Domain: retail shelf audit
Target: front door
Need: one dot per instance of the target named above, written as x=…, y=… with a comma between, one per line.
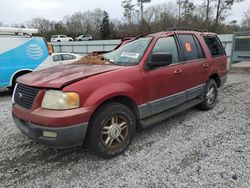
x=165, y=84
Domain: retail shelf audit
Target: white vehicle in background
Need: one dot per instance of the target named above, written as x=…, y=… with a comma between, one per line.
x=83, y=37
x=61, y=38
x=59, y=59
x=20, y=53
x=65, y=58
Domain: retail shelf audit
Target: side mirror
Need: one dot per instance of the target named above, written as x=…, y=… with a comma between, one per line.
x=160, y=59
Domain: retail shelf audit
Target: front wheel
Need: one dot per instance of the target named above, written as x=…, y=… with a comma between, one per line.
x=209, y=95
x=111, y=130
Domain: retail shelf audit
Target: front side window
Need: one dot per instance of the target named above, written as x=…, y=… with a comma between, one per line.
x=189, y=47
x=213, y=46
x=129, y=54
x=57, y=58
x=167, y=45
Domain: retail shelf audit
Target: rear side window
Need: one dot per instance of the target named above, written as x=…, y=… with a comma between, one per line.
x=191, y=47
x=214, y=46
x=68, y=57
x=167, y=45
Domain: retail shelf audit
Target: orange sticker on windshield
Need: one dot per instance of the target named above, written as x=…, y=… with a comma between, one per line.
x=188, y=47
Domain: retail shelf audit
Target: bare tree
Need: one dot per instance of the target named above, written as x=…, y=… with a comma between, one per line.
x=222, y=6
x=128, y=10
x=208, y=11
x=141, y=5
x=246, y=20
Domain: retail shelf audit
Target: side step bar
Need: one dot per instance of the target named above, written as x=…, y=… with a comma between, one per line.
x=149, y=121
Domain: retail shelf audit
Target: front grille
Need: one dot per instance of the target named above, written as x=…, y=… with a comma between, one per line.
x=25, y=95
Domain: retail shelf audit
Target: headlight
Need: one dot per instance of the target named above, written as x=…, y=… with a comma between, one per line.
x=58, y=100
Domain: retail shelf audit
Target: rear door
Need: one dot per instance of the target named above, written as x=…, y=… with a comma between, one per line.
x=194, y=67
x=218, y=62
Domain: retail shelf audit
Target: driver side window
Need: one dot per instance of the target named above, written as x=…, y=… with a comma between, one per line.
x=167, y=45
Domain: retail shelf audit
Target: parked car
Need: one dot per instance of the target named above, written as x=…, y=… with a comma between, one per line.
x=58, y=59
x=65, y=58
x=20, y=54
x=147, y=80
x=61, y=38
x=83, y=37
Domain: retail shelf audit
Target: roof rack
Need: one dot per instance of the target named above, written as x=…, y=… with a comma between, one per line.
x=12, y=30
x=185, y=29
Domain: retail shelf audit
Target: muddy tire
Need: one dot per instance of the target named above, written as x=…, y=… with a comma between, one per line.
x=111, y=130
x=209, y=95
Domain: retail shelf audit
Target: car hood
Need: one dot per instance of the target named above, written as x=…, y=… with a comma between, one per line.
x=62, y=75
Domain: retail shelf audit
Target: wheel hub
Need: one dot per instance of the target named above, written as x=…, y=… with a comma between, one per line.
x=211, y=95
x=115, y=131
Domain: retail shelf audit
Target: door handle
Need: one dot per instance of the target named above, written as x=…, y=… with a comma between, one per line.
x=178, y=71
x=205, y=65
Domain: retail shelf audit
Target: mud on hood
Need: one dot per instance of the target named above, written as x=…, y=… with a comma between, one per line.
x=62, y=75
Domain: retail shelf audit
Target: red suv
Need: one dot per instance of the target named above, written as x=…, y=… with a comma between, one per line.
x=143, y=82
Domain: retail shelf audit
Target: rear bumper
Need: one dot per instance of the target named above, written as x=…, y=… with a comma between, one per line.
x=66, y=137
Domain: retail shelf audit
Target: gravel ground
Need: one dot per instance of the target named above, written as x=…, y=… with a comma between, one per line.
x=193, y=149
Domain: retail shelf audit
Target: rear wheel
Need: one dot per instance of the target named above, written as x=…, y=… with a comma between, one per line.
x=209, y=95
x=111, y=130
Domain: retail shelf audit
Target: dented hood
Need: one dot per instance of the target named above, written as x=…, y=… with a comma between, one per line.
x=62, y=75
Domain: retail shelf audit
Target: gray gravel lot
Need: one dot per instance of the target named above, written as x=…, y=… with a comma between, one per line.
x=193, y=149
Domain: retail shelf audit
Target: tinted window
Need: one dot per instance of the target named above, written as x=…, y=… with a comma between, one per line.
x=214, y=46
x=198, y=45
x=189, y=47
x=68, y=57
x=57, y=58
x=167, y=45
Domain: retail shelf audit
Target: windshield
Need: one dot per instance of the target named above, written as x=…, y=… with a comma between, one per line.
x=129, y=54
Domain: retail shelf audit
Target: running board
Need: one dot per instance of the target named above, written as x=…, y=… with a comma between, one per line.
x=149, y=121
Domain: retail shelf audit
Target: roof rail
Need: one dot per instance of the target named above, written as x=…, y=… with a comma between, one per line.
x=185, y=29
x=12, y=30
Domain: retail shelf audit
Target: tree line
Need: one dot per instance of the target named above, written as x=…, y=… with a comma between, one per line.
x=208, y=15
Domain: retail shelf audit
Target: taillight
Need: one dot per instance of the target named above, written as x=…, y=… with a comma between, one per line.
x=50, y=48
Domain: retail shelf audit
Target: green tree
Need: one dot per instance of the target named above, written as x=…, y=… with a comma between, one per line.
x=105, y=27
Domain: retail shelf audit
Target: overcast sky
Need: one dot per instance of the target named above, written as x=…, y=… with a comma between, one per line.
x=20, y=11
